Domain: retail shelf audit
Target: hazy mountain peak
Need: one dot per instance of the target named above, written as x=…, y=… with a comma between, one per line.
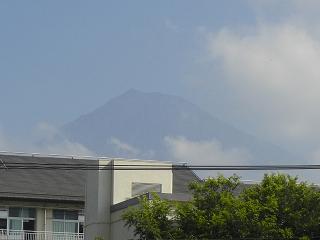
x=131, y=92
x=137, y=124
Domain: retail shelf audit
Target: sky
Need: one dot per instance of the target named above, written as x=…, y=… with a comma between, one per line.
x=62, y=59
x=254, y=64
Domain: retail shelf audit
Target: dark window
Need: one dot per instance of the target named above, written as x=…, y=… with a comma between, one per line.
x=3, y=223
x=71, y=215
x=80, y=227
x=22, y=212
x=64, y=214
x=67, y=221
x=28, y=225
x=15, y=212
x=58, y=214
x=28, y=212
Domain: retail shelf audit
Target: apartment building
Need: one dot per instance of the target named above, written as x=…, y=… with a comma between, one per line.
x=69, y=204
x=41, y=204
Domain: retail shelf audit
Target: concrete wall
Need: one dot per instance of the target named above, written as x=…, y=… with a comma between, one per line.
x=118, y=229
x=98, y=202
x=49, y=218
x=123, y=179
x=40, y=223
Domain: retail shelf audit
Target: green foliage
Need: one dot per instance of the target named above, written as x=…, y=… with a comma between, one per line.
x=281, y=207
x=151, y=219
x=213, y=211
x=278, y=208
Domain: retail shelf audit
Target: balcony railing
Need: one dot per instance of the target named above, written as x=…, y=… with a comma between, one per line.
x=39, y=235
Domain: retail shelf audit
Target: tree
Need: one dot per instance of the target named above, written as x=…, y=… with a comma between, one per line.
x=151, y=219
x=278, y=208
x=281, y=207
x=213, y=212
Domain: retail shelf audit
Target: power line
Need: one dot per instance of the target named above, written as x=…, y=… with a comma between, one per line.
x=128, y=167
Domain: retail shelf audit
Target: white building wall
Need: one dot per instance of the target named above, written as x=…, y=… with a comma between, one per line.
x=123, y=179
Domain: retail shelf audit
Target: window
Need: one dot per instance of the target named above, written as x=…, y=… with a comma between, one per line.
x=22, y=212
x=141, y=188
x=67, y=221
x=3, y=219
x=22, y=219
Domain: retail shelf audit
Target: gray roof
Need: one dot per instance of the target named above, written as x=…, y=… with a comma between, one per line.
x=54, y=185
x=180, y=197
x=182, y=179
x=59, y=185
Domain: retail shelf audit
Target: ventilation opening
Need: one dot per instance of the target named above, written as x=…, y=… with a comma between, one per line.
x=141, y=188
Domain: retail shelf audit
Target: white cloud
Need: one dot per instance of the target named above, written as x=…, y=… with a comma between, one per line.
x=64, y=147
x=275, y=71
x=213, y=153
x=123, y=147
x=264, y=77
x=45, y=139
x=205, y=153
x=48, y=139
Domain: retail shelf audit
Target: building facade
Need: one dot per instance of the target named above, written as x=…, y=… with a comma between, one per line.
x=76, y=204
x=41, y=204
x=110, y=193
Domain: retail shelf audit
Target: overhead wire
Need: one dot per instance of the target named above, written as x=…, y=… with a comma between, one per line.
x=128, y=167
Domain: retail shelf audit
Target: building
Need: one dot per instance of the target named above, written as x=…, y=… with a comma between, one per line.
x=65, y=204
x=41, y=204
x=109, y=193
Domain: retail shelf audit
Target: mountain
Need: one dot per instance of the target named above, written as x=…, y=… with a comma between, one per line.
x=136, y=124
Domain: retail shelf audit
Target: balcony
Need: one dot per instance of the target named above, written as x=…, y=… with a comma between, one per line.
x=39, y=235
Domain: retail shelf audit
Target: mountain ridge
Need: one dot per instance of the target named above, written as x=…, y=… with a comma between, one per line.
x=135, y=124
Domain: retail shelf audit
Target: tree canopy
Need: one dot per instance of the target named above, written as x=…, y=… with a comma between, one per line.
x=280, y=207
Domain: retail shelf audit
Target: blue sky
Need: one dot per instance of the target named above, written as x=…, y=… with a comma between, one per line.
x=253, y=64
x=60, y=59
